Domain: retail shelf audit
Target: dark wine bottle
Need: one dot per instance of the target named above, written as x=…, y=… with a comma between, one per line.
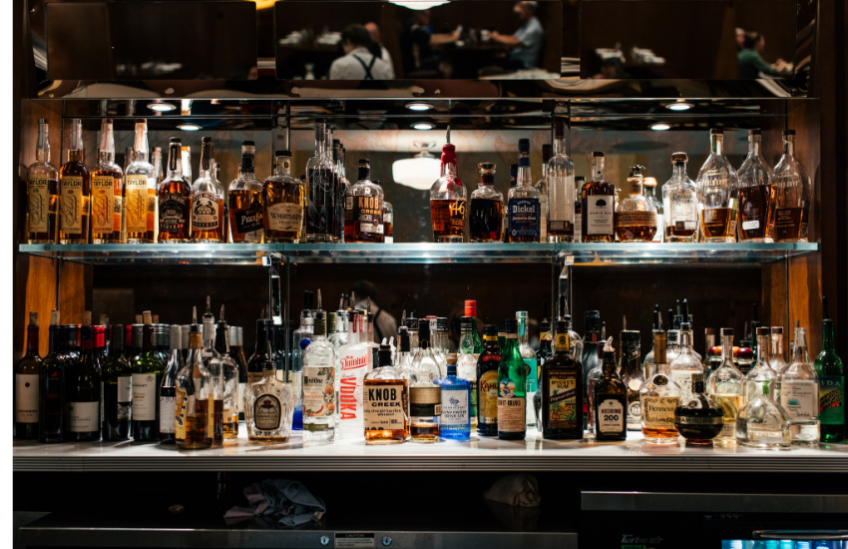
x=147, y=374
x=610, y=402
x=26, y=385
x=83, y=387
x=117, y=389
x=51, y=385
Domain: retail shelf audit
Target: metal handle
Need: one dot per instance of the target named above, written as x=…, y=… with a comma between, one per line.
x=801, y=534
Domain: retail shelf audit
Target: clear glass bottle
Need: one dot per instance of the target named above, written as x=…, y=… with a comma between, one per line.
x=386, y=402
x=798, y=394
x=560, y=189
x=726, y=384
x=168, y=387
x=319, y=380
x=207, y=201
x=319, y=173
x=215, y=365
x=231, y=379
x=107, y=186
x=763, y=423
x=355, y=363
x=523, y=205
x=42, y=192
x=591, y=357
x=194, y=398
x=455, y=421
x=269, y=406
x=529, y=357
x=699, y=418
x=244, y=199
x=174, y=197
x=718, y=193
x=466, y=363
x=592, y=378
x=363, y=211
x=448, y=201
x=74, y=191
x=598, y=205
x=687, y=364
x=650, y=185
x=680, y=203
x=761, y=372
x=793, y=195
x=756, y=193
x=425, y=394
x=635, y=218
x=140, y=194
x=659, y=397
x=485, y=218
x=776, y=360
x=632, y=376
x=542, y=186
x=283, y=203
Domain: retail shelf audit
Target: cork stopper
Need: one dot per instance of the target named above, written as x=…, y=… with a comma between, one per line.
x=86, y=318
x=54, y=318
x=155, y=319
x=104, y=320
x=139, y=319
x=33, y=319
x=148, y=318
x=660, y=342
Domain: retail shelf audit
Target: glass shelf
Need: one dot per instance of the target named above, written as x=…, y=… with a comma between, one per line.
x=421, y=253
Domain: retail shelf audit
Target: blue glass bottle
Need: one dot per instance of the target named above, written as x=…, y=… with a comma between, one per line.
x=456, y=405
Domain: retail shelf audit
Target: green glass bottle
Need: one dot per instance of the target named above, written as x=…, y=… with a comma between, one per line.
x=831, y=384
x=117, y=389
x=512, y=387
x=471, y=310
x=147, y=374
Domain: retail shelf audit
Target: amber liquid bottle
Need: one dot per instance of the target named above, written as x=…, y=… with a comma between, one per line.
x=140, y=177
x=107, y=190
x=283, y=203
x=75, y=191
x=244, y=199
x=562, y=391
x=448, y=201
x=598, y=205
x=207, y=201
x=42, y=192
x=174, y=199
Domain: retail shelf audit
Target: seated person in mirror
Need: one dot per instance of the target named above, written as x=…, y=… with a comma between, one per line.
x=751, y=63
x=362, y=59
x=417, y=43
x=525, y=43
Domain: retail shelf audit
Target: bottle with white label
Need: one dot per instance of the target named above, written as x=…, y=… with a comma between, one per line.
x=84, y=389
x=798, y=394
x=686, y=364
x=26, y=385
x=610, y=402
x=598, y=205
x=147, y=374
x=756, y=193
x=207, y=201
x=168, y=388
x=680, y=203
x=43, y=192
x=425, y=394
x=319, y=379
x=117, y=389
x=455, y=423
x=386, y=401
x=524, y=209
x=193, y=428
x=354, y=363
x=659, y=397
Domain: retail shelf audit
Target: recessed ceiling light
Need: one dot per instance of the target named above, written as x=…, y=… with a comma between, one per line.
x=679, y=106
x=189, y=127
x=660, y=127
x=423, y=126
x=419, y=106
x=158, y=106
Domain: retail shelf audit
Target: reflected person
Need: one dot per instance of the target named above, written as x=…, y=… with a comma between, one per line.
x=374, y=30
x=526, y=42
x=385, y=325
x=751, y=63
x=417, y=41
x=362, y=58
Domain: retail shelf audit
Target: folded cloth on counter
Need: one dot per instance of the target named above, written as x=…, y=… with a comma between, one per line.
x=288, y=498
x=516, y=490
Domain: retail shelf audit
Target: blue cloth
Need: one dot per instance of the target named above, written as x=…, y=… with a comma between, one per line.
x=531, y=34
x=288, y=498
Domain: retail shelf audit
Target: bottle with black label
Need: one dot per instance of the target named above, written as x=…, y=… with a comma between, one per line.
x=147, y=373
x=610, y=400
x=244, y=198
x=487, y=383
x=363, y=221
x=562, y=391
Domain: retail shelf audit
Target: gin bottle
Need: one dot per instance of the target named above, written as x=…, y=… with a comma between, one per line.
x=763, y=424
x=726, y=385
x=659, y=397
x=761, y=372
x=42, y=192
x=560, y=188
x=718, y=193
x=680, y=203
x=319, y=372
x=798, y=394
x=386, y=402
x=792, y=195
x=455, y=422
x=831, y=384
x=523, y=207
x=425, y=394
x=756, y=193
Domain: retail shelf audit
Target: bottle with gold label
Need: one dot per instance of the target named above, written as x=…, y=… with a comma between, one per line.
x=562, y=391
x=107, y=189
x=140, y=180
x=207, y=201
x=512, y=387
x=42, y=192
x=635, y=218
x=659, y=398
x=194, y=397
x=283, y=203
x=245, y=202
x=74, y=191
x=269, y=406
x=718, y=193
x=487, y=383
x=385, y=402
x=174, y=199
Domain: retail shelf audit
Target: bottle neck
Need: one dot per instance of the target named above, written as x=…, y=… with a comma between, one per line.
x=42, y=145
x=319, y=140
x=777, y=345
x=140, y=143
x=799, y=353
x=558, y=146
x=32, y=339
x=763, y=349
x=206, y=160
x=789, y=146
x=466, y=342
x=261, y=342
x=727, y=350
x=175, y=162
x=107, y=145
x=598, y=168
x=563, y=344
x=282, y=165
x=679, y=171
x=755, y=145
x=609, y=364
x=449, y=166
x=487, y=180
x=827, y=335
x=716, y=144
x=247, y=164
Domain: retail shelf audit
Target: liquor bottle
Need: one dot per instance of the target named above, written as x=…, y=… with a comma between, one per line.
x=74, y=191
x=140, y=195
x=319, y=173
x=386, y=416
x=659, y=397
x=455, y=421
x=283, y=203
x=699, y=418
x=466, y=364
x=680, y=203
x=761, y=372
x=83, y=388
x=485, y=222
x=717, y=193
x=447, y=201
x=42, y=192
x=792, y=195
x=559, y=174
x=546, y=344
x=531, y=371
x=709, y=343
x=388, y=222
x=230, y=379
x=470, y=310
x=51, y=385
x=632, y=376
x=26, y=385
x=598, y=204
x=335, y=232
x=245, y=200
x=340, y=191
x=174, y=199
x=214, y=173
x=756, y=193
x=363, y=212
x=574, y=339
x=354, y=363
x=686, y=364
x=562, y=392
x=776, y=360
x=185, y=155
x=523, y=206
x=146, y=377
x=117, y=390
x=215, y=366
x=635, y=218
x=236, y=339
x=542, y=186
x=763, y=424
x=207, y=201
x=156, y=160
x=168, y=387
x=512, y=387
x=256, y=364
x=650, y=185
x=488, y=364
x=194, y=397
x=437, y=345
x=726, y=384
x=831, y=384
x=425, y=394
x=591, y=358
x=107, y=188
x=610, y=402
x=579, y=182
x=319, y=381
x=798, y=394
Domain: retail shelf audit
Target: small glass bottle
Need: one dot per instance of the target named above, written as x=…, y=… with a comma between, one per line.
x=42, y=192
x=174, y=197
x=363, y=212
x=283, y=203
x=488, y=364
x=107, y=186
x=632, y=376
x=598, y=205
x=698, y=418
x=140, y=194
x=529, y=357
x=466, y=364
x=726, y=384
x=455, y=421
x=425, y=394
x=798, y=394
x=194, y=398
x=610, y=402
x=485, y=222
x=763, y=424
x=523, y=207
x=718, y=193
x=271, y=404
x=659, y=396
x=680, y=203
x=761, y=372
x=448, y=201
x=560, y=188
x=319, y=381
x=831, y=383
x=244, y=199
x=650, y=186
x=385, y=402
x=686, y=364
x=207, y=201
x=512, y=387
x=635, y=218
x=756, y=193
x=792, y=198
x=74, y=191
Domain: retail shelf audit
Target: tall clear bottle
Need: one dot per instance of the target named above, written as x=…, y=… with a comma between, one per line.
x=523, y=206
x=231, y=379
x=793, y=195
x=756, y=193
x=466, y=363
x=140, y=195
x=762, y=371
x=560, y=182
x=354, y=363
x=532, y=370
x=718, y=193
x=207, y=201
x=680, y=203
x=319, y=174
x=168, y=388
x=174, y=199
x=74, y=191
x=244, y=199
x=687, y=363
x=776, y=360
x=215, y=365
x=632, y=376
x=798, y=386
x=448, y=201
x=425, y=394
x=363, y=210
x=542, y=186
x=319, y=373
x=659, y=397
x=107, y=186
x=726, y=385
x=42, y=192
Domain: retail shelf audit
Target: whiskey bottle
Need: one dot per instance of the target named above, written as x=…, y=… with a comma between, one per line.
x=455, y=421
x=659, y=398
x=761, y=372
x=725, y=384
x=215, y=366
x=792, y=195
x=523, y=207
x=174, y=199
x=363, y=211
x=635, y=218
x=798, y=394
x=632, y=376
x=680, y=203
x=193, y=397
x=485, y=222
x=763, y=424
x=245, y=200
x=388, y=222
x=319, y=174
x=42, y=192
x=488, y=364
x=117, y=389
x=717, y=193
x=146, y=377
x=26, y=385
x=207, y=201
x=542, y=186
x=756, y=193
x=425, y=394
x=512, y=388
x=466, y=363
x=319, y=381
x=74, y=192
x=283, y=203
x=230, y=381
x=610, y=402
x=579, y=181
x=84, y=386
x=448, y=201
x=51, y=385
x=385, y=402
x=156, y=160
x=562, y=391
x=143, y=176
x=168, y=387
x=560, y=178
x=831, y=384
x=106, y=191
x=598, y=204
x=698, y=418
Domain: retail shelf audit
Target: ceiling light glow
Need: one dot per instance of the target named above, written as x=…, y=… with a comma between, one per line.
x=679, y=106
x=660, y=127
x=189, y=127
x=419, y=106
x=423, y=126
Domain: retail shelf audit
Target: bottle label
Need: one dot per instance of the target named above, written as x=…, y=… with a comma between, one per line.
x=487, y=398
x=578, y=227
x=751, y=225
x=728, y=430
x=249, y=223
x=319, y=391
x=798, y=398
x=788, y=223
x=684, y=210
x=531, y=373
x=832, y=400
x=719, y=222
x=210, y=416
x=658, y=412
x=180, y=413
x=636, y=219
x=152, y=210
x=267, y=413
x=26, y=398
x=455, y=408
x=688, y=420
x=352, y=367
x=84, y=417
x=125, y=398
x=144, y=396
x=512, y=414
x=204, y=212
x=768, y=436
x=368, y=213
x=561, y=202
x=167, y=409
x=611, y=417
x=136, y=203
x=285, y=216
x=634, y=415
x=524, y=217
x=72, y=206
x=384, y=407
x=599, y=213
x=102, y=203
x=38, y=203
x=684, y=379
x=173, y=213
x=562, y=399
x=425, y=401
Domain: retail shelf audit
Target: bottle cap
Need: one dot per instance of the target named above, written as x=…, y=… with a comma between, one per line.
x=486, y=168
x=465, y=324
x=442, y=324
x=755, y=131
x=597, y=154
x=286, y=154
x=709, y=331
x=523, y=145
x=490, y=330
x=777, y=330
x=679, y=157
x=787, y=133
x=630, y=337
x=763, y=331
x=717, y=131
x=471, y=307
x=726, y=332
x=592, y=321
x=510, y=326
x=384, y=356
